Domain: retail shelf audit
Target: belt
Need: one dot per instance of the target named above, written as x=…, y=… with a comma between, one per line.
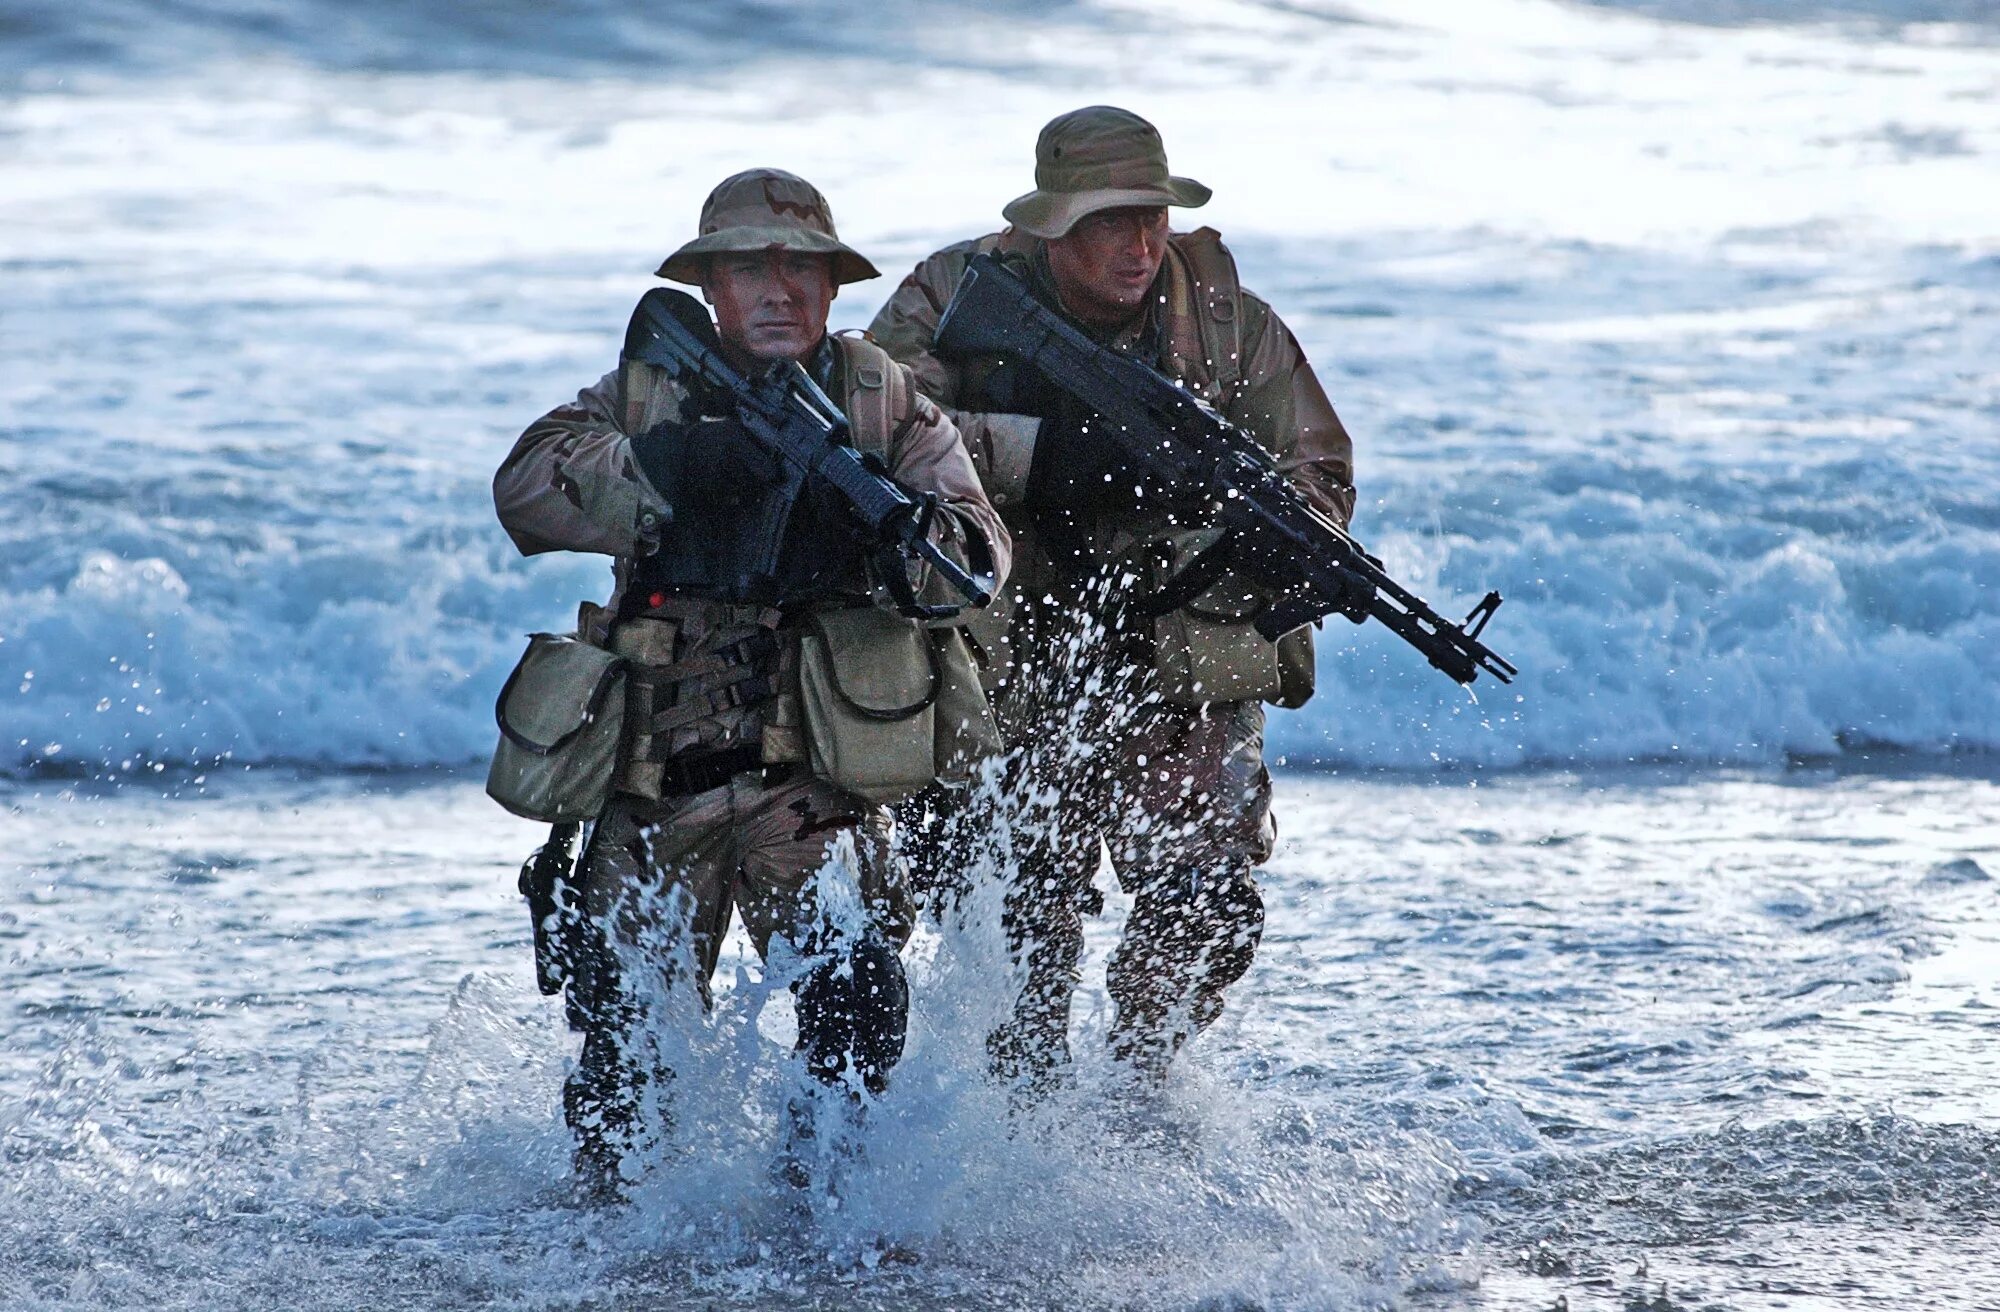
x=697, y=772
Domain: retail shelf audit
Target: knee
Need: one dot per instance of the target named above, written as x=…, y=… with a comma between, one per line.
x=1046, y=917
x=854, y=1011
x=1207, y=906
x=1239, y=926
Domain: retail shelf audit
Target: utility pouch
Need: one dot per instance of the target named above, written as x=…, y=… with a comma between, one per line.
x=1208, y=650
x=561, y=715
x=966, y=731
x=869, y=686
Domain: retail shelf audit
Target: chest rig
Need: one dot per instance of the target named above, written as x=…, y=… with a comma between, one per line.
x=767, y=536
x=713, y=669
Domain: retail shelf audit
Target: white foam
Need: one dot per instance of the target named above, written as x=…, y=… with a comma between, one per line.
x=1679, y=336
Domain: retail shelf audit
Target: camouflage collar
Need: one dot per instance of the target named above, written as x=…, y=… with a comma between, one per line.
x=824, y=365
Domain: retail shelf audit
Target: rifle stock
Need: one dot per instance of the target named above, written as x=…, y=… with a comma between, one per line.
x=1313, y=567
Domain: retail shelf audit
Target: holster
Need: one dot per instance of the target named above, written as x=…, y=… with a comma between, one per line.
x=545, y=877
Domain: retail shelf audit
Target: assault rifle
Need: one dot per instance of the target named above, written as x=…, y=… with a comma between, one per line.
x=786, y=413
x=1166, y=437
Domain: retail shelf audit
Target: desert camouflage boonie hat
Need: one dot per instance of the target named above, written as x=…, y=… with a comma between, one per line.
x=1097, y=158
x=765, y=210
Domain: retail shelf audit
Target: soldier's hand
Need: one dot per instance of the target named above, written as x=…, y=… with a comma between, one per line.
x=1076, y=467
x=709, y=460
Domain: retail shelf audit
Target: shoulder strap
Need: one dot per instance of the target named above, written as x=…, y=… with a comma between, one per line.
x=646, y=395
x=1205, y=329
x=878, y=400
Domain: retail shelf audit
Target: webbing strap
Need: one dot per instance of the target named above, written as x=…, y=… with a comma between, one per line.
x=750, y=651
x=1205, y=335
x=744, y=688
x=878, y=398
x=674, y=606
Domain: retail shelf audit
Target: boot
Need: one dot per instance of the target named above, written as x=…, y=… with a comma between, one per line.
x=603, y=1102
x=854, y=1013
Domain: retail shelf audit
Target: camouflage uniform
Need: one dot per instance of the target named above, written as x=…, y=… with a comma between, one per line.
x=1178, y=792
x=715, y=807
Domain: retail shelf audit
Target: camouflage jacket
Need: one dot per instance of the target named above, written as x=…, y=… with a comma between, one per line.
x=571, y=483
x=1205, y=318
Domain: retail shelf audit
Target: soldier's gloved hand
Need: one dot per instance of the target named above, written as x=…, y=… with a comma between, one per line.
x=1074, y=468
x=705, y=461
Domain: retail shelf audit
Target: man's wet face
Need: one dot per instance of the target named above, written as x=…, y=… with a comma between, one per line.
x=770, y=305
x=1106, y=263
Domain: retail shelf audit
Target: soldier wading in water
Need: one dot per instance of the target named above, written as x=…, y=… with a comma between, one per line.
x=738, y=764
x=1170, y=771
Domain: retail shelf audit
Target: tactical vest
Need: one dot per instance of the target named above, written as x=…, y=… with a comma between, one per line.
x=894, y=668
x=787, y=544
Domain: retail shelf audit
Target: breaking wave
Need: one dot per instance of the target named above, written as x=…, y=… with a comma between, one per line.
x=1734, y=480
x=1705, y=559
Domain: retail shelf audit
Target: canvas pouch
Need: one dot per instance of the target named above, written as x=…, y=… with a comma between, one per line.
x=966, y=731
x=1210, y=651
x=561, y=715
x=868, y=690
x=889, y=704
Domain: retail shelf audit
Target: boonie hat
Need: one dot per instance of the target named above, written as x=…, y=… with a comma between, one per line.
x=1097, y=158
x=765, y=210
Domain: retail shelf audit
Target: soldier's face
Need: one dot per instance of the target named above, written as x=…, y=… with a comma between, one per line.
x=1104, y=265
x=770, y=305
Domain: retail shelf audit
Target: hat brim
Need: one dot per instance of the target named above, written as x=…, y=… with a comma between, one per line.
x=689, y=264
x=1050, y=214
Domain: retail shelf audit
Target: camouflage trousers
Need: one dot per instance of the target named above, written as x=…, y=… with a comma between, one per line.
x=1182, y=802
x=659, y=881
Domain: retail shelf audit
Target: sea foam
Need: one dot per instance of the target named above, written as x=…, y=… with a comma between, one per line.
x=1717, y=423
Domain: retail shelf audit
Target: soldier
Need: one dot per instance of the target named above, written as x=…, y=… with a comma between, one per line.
x=1175, y=782
x=719, y=799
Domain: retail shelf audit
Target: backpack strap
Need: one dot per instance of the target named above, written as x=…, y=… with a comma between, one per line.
x=1204, y=327
x=879, y=401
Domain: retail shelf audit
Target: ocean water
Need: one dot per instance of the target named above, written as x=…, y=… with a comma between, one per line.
x=1655, y=1037
x=1671, y=964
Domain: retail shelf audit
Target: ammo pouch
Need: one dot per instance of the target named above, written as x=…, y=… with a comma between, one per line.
x=889, y=704
x=561, y=715
x=1208, y=650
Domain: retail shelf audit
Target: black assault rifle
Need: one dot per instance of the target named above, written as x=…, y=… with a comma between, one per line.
x=787, y=414
x=1166, y=437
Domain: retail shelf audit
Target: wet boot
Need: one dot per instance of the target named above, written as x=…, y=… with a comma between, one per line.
x=853, y=1012
x=1188, y=939
x=601, y=1103
x=614, y=1105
